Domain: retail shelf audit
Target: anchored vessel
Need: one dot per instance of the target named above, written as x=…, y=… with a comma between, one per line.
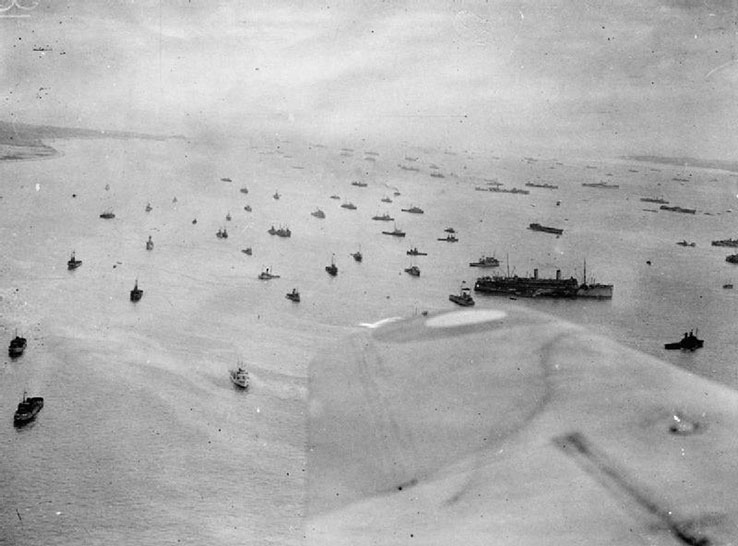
x=17, y=346
x=485, y=261
x=280, y=232
x=149, y=244
x=293, y=296
x=267, y=275
x=463, y=298
x=73, y=262
x=222, y=233
x=383, y=218
x=27, y=410
x=537, y=185
x=395, y=232
x=332, y=269
x=413, y=210
x=689, y=342
x=654, y=200
x=358, y=256
x=604, y=185
x=684, y=242
x=545, y=229
x=108, y=214
x=413, y=271
x=359, y=184
x=415, y=252
x=348, y=205
x=678, y=209
x=450, y=238
x=318, y=213
x=136, y=292
x=240, y=376
x=726, y=242
x=535, y=287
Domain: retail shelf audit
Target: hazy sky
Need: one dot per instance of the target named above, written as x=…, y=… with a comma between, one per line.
x=641, y=76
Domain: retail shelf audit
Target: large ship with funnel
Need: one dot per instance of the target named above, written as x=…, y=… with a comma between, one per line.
x=537, y=287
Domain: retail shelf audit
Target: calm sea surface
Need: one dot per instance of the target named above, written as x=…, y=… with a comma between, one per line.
x=144, y=440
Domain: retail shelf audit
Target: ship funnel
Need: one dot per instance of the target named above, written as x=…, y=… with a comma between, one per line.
x=558, y=274
x=535, y=273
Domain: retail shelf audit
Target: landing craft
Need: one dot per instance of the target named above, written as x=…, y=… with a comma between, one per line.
x=507, y=426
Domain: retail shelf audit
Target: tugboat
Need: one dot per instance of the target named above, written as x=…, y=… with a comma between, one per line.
x=332, y=269
x=148, y=207
x=358, y=256
x=107, y=214
x=27, y=410
x=386, y=199
x=413, y=271
x=413, y=210
x=222, y=233
x=293, y=296
x=450, y=238
x=276, y=195
x=684, y=242
x=17, y=346
x=247, y=251
x=318, y=213
x=485, y=261
x=149, y=244
x=415, y=252
x=136, y=292
x=395, y=232
x=240, y=376
x=244, y=189
x=73, y=262
x=689, y=342
x=463, y=298
x=267, y=275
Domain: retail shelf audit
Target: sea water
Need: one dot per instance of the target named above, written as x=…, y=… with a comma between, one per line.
x=143, y=438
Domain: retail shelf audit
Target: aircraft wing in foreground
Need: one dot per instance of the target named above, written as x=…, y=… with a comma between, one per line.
x=504, y=426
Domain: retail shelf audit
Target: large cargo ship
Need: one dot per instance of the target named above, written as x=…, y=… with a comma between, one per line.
x=536, y=287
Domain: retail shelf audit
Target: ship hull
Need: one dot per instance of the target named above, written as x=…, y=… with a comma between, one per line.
x=546, y=288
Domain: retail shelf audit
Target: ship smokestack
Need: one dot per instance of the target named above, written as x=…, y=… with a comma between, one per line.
x=558, y=274
x=535, y=273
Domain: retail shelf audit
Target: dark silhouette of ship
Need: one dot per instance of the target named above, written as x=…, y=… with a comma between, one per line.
x=536, y=287
x=415, y=252
x=358, y=256
x=450, y=238
x=136, y=292
x=413, y=271
x=280, y=232
x=27, y=410
x=332, y=270
x=603, y=185
x=689, y=342
x=395, y=232
x=318, y=213
x=150, y=244
x=678, y=209
x=107, y=214
x=485, y=261
x=413, y=210
x=383, y=218
x=726, y=242
x=545, y=229
x=73, y=262
x=654, y=200
x=17, y=346
x=541, y=185
x=222, y=233
x=463, y=298
x=293, y=296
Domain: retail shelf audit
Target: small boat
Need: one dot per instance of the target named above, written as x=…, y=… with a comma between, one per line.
x=358, y=256
x=395, y=232
x=293, y=296
x=228, y=217
x=332, y=269
x=726, y=242
x=359, y=184
x=222, y=233
x=349, y=206
x=603, y=185
x=247, y=251
x=276, y=195
x=450, y=230
x=136, y=292
x=226, y=179
x=247, y=208
x=728, y=286
x=689, y=342
x=383, y=218
x=149, y=244
x=733, y=259
x=678, y=209
x=73, y=262
x=17, y=346
x=239, y=376
x=27, y=410
x=413, y=271
x=397, y=194
x=335, y=196
x=415, y=252
x=194, y=221
x=244, y=189
x=386, y=199
x=267, y=275
x=485, y=261
x=545, y=229
x=450, y=238
x=659, y=200
x=463, y=298
x=684, y=242
x=148, y=207
x=413, y=210
x=318, y=213
x=280, y=232
x=107, y=214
